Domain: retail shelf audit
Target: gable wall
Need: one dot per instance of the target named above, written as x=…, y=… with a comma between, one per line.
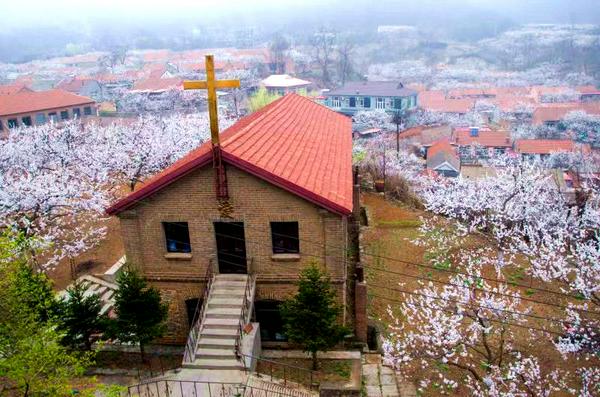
x=256, y=202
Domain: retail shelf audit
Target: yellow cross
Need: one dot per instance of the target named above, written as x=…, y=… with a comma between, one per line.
x=211, y=84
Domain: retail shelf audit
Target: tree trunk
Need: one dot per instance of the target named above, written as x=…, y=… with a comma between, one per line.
x=315, y=362
x=398, y=139
x=142, y=352
x=26, y=393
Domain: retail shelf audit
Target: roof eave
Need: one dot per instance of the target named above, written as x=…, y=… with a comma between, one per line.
x=146, y=191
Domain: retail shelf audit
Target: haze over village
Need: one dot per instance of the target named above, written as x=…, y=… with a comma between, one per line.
x=300, y=198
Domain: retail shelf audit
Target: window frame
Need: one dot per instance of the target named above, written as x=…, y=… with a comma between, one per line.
x=176, y=244
x=40, y=120
x=76, y=113
x=53, y=116
x=64, y=115
x=87, y=111
x=380, y=102
x=27, y=123
x=290, y=241
x=12, y=123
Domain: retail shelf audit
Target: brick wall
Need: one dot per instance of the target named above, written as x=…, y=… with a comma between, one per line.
x=191, y=199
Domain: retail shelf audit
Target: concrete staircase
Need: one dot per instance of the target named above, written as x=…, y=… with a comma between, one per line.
x=215, y=348
x=257, y=387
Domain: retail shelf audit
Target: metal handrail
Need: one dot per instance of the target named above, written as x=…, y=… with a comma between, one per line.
x=191, y=344
x=175, y=387
x=245, y=315
x=304, y=374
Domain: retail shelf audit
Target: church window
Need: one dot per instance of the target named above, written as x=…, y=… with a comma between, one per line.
x=285, y=237
x=177, y=237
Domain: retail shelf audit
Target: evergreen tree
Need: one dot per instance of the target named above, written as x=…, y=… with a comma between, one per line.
x=32, y=359
x=141, y=315
x=310, y=318
x=81, y=316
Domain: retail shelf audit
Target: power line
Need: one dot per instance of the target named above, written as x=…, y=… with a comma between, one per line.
x=483, y=318
x=324, y=245
x=478, y=306
x=550, y=319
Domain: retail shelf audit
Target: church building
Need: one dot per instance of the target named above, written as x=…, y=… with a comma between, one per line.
x=289, y=200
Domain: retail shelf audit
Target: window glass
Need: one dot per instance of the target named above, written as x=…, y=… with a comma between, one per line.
x=26, y=121
x=87, y=110
x=76, y=113
x=52, y=116
x=271, y=323
x=177, y=237
x=40, y=118
x=64, y=115
x=285, y=237
x=13, y=123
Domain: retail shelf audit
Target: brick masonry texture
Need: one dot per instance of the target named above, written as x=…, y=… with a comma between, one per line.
x=323, y=235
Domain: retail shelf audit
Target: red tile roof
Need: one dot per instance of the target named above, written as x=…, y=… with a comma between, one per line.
x=157, y=85
x=486, y=138
x=435, y=101
x=72, y=85
x=588, y=89
x=442, y=145
x=543, y=146
x=511, y=103
x=29, y=102
x=557, y=111
x=13, y=89
x=293, y=143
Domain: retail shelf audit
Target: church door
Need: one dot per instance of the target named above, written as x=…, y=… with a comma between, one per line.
x=231, y=247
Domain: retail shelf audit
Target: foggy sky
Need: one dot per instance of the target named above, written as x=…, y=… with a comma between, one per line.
x=32, y=13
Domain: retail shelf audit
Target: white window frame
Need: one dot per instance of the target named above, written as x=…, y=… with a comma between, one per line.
x=380, y=103
x=335, y=102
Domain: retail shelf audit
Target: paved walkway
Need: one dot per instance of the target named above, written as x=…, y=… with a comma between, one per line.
x=382, y=381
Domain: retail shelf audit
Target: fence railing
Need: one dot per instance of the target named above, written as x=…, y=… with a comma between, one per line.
x=289, y=374
x=191, y=344
x=246, y=313
x=192, y=388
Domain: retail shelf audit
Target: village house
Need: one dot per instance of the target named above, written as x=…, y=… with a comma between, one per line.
x=532, y=149
x=353, y=97
x=552, y=114
x=25, y=109
x=13, y=89
x=436, y=101
x=442, y=158
x=283, y=84
x=82, y=86
x=476, y=143
x=289, y=201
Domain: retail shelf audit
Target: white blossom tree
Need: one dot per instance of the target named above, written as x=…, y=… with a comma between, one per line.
x=57, y=180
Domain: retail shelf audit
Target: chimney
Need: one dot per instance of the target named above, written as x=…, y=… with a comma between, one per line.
x=474, y=131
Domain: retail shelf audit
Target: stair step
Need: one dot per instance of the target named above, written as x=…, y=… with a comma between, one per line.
x=208, y=363
x=226, y=293
x=216, y=343
x=221, y=323
x=225, y=303
x=236, y=277
x=230, y=283
x=224, y=312
x=216, y=354
x=218, y=333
